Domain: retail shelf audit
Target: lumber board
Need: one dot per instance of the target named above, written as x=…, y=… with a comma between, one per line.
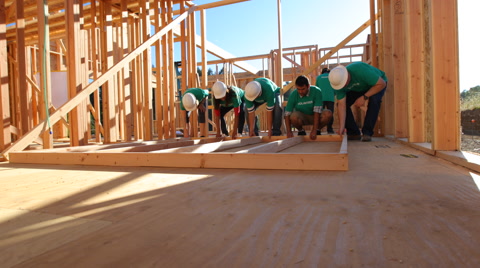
x=401, y=68
x=212, y=147
x=274, y=146
x=388, y=64
x=416, y=77
x=446, y=107
x=5, y=133
x=192, y=160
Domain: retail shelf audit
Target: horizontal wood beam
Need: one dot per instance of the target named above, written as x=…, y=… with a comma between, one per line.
x=212, y=147
x=274, y=146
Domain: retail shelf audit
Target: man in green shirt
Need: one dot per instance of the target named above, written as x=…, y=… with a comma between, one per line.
x=226, y=98
x=304, y=107
x=194, y=98
x=260, y=91
x=328, y=96
x=355, y=84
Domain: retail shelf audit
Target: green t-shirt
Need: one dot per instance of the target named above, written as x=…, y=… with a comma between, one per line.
x=310, y=103
x=269, y=89
x=199, y=94
x=237, y=97
x=324, y=85
x=362, y=77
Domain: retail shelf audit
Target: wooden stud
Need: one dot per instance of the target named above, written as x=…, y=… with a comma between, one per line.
x=388, y=68
x=45, y=74
x=416, y=54
x=279, y=78
x=373, y=35
x=165, y=74
x=171, y=71
x=400, y=69
x=25, y=115
x=446, y=110
x=5, y=139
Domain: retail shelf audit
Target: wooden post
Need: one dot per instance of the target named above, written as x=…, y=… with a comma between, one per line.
x=77, y=117
x=147, y=72
x=373, y=35
x=400, y=70
x=158, y=76
x=127, y=81
x=108, y=89
x=204, y=48
x=279, y=80
x=45, y=74
x=416, y=56
x=387, y=33
x=165, y=74
x=94, y=49
x=184, y=52
x=22, y=86
x=172, y=72
x=444, y=42
x=5, y=139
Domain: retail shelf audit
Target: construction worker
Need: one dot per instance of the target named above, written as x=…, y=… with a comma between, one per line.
x=355, y=84
x=263, y=90
x=194, y=98
x=304, y=107
x=225, y=99
x=328, y=96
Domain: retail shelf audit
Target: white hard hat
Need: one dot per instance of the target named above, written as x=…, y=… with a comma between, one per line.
x=252, y=90
x=338, y=77
x=219, y=90
x=189, y=102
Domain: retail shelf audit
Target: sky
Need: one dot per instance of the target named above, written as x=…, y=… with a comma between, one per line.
x=250, y=28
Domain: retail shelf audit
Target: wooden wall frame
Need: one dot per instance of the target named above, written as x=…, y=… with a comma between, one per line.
x=250, y=153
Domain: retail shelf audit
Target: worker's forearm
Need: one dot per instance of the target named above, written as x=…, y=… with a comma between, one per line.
x=288, y=124
x=269, y=120
x=381, y=84
x=217, y=123
x=342, y=113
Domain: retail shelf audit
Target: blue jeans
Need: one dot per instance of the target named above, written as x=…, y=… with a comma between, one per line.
x=277, y=117
x=371, y=116
x=241, y=118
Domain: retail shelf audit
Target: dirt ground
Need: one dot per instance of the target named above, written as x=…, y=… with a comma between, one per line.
x=471, y=144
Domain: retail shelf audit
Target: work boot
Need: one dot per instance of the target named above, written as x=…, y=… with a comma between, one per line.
x=319, y=132
x=367, y=138
x=302, y=133
x=330, y=131
x=354, y=137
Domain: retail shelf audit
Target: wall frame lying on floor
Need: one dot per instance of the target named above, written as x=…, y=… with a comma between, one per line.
x=327, y=152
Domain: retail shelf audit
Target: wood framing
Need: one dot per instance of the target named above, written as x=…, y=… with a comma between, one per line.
x=107, y=46
x=206, y=153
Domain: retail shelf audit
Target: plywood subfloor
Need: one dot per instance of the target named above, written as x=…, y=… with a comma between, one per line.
x=394, y=207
